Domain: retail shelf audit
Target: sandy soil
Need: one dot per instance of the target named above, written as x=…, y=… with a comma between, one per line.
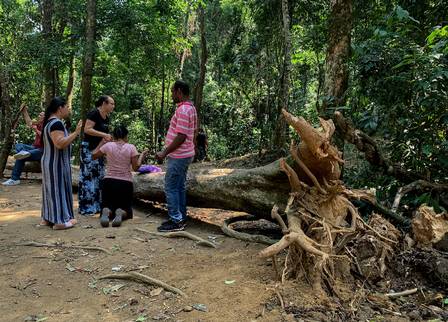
x=229, y=283
x=52, y=284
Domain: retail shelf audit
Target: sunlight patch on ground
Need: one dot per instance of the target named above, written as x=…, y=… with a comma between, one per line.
x=12, y=216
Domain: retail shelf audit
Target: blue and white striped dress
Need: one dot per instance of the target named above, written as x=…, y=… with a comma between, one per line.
x=57, y=198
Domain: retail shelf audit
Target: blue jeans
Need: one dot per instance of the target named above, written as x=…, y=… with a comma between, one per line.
x=175, y=188
x=36, y=155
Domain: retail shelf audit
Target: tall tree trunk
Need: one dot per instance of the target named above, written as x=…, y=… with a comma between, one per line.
x=9, y=121
x=200, y=84
x=5, y=102
x=162, y=103
x=71, y=81
x=186, y=34
x=47, y=31
x=338, y=52
x=154, y=127
x=89, y=57
x=280, y=134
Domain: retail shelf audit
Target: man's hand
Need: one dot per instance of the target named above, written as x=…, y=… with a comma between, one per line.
x=160, y=155
x=107, y=138
x=144, y=153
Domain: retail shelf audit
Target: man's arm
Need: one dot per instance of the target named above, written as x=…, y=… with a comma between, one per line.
x=177, y=142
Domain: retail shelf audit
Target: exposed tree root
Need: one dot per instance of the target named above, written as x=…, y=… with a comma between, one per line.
x=244, y=236
x=404, y=293
x=36, y=244
x=321, y=220
x=174, y=234
x=137, y=277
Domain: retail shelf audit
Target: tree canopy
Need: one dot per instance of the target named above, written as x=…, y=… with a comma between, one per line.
x=397, y=69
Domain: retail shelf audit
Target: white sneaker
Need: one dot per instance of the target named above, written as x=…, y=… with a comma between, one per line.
x=22, y=155
x=11, y=182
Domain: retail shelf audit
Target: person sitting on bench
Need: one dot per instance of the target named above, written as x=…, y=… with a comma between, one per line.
x=26, y=152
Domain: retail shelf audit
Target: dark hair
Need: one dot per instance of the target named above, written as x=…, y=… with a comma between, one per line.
x=183, y=86
x=68, y=124
x=120, y=132
x=101, y=100
x=55, y=103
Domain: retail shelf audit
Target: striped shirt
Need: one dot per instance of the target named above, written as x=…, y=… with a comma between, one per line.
x=184, y=121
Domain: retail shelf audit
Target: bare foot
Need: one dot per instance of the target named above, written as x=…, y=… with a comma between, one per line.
x=63, y=226
x=43, y=222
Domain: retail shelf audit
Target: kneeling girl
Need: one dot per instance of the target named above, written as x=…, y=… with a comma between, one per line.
x=117, y=187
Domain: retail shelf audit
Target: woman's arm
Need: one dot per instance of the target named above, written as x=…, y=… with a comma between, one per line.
x=34, y=127
x=137, y=160
x=26, y=116
x=60, y=141
x=88, y=129
x=96, y=154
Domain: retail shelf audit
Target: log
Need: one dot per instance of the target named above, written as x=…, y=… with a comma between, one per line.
x=254, y=191
x=30, y=166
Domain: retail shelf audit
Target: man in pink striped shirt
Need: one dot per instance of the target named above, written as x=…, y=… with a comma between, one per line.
x=179, y=150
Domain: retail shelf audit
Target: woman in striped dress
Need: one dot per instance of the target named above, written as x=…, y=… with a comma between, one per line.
x=57, y=199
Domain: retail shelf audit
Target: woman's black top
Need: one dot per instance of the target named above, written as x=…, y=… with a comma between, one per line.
x=101, y=125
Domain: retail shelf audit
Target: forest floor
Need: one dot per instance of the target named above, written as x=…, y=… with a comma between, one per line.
x=229, y=283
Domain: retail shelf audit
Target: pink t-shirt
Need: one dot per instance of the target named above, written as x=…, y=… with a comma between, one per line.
x=119, y=155
x=184, y=121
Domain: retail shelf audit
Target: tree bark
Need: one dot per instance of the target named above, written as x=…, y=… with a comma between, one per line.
x=186, y=34
x=338, y=52
x=199, y=88
x=8, y=138
x=71, y=81
x=280, y=134
x=89, y=57
x=162, y=104
x=9, y=121
x=254, y=191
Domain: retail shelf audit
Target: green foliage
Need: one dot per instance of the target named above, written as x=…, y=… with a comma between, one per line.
x=400, y=91
x=398, y=71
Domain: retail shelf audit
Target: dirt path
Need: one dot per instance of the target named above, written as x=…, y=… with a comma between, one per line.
x=48, y=284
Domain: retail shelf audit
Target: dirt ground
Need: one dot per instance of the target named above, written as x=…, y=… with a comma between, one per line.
x=52, y=284
x=229, y=283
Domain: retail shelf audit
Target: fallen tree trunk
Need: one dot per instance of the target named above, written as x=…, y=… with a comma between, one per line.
x=254, y=191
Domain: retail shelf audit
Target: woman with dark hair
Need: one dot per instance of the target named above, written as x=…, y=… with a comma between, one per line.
x=117, y=187
x=92, y=171
x=57, y=199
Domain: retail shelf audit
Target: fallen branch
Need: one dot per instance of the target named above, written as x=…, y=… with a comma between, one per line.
x=174, y=234
x=420, y=185
x=404, y=293
x=372, y=154
x=243, y=236
x=137, y=277
x=364, y=196
x=36, y=244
